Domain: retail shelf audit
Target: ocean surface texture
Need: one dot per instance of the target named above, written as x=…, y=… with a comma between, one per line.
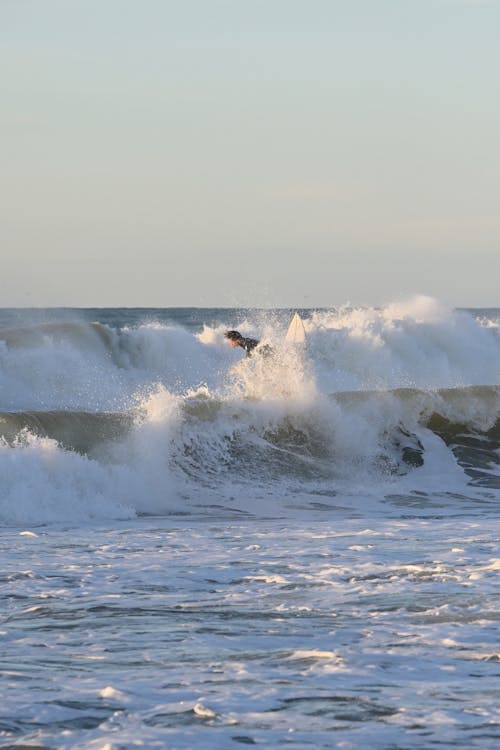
x=199, y=550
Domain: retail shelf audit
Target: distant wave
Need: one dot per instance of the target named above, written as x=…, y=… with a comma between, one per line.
x=80, y=333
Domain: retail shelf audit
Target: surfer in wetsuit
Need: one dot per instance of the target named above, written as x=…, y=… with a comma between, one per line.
x=247, y=344
x=237, y=339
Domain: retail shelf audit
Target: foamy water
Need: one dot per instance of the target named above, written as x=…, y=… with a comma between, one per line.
x=205, y=551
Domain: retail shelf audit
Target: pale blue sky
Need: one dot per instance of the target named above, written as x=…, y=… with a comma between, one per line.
x=249, y=152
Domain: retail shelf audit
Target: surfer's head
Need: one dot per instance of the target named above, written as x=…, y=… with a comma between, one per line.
x=234, y=337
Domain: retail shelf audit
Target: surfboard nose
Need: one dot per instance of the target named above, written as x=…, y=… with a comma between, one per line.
x=296, y=333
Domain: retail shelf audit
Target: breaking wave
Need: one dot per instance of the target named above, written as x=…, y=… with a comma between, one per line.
x=104, y=420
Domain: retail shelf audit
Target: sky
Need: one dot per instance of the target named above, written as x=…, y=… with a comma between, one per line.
x=239, y=153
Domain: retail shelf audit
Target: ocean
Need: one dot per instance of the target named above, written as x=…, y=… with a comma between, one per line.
x=200, y=550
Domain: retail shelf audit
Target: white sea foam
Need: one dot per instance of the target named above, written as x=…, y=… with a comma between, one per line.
x=164, y=632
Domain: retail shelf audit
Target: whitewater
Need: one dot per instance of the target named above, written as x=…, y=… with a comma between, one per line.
x=204, y=550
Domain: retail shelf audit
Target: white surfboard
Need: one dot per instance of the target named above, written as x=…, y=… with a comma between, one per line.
x=296, y=333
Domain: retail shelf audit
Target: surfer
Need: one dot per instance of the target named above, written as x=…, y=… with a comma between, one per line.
x=249, y=345
x=237, y=339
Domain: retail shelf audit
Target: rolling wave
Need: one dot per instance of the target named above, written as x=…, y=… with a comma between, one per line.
x=205, y=435
x=100, y=418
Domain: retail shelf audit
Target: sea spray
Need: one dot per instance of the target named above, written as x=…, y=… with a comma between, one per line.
x=147, y=452
x=41, y=484
x=421, y=343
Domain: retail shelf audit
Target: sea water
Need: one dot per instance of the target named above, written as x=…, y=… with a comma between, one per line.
x=200, y=550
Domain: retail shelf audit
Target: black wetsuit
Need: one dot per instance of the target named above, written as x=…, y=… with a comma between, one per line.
x=248, y=345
